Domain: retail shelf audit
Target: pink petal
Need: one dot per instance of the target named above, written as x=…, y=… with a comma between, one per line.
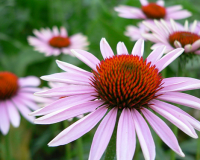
x=23, y=109
x=144, y=2
x=29, y=81
x=79, y=128
x=126, y=141
x=144, y=136
x=13, y=113
x=173, y=8
x=160, y=2
x=155, y=55
x=63, y=103
x=174, y=117
x=40, y=35
x=61, y=115
x=121, y=48
x=150, y=37
x=177, y=44
x=86, y=57
x=163, y=131
x=30, y=103
x=55, y=31
x=178, y=15
x=63, y=32
x=138, y=48
x=196, y=45
x=102, y=135
x=71, y=68
x=168, y=58
x=69, y=78
x=4, y=120
x=29, y=89
x=64, y=91
x=181, y=98
x=105, y=48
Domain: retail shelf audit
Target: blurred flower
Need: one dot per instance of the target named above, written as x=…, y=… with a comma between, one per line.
x=174, y=35
x=16, y=95
x=55, y=42
x=136, y=33
x=126, y=84
x=152, y=11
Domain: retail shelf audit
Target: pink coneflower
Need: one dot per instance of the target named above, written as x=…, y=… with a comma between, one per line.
x=56, y=42
x=174, y=35
x=16, y=95
x=127, y=84
x=152, y=11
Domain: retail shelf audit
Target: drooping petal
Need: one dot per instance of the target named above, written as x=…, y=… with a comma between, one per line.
x=103, y=135
x=168, y=58
x=138, y=48
x=181, y=98
x=174, y=117
x=29, y=81
x=4, y=120
x=196, y=45
x=68, y=113
x=144, y=136
x=163, y=131
x=63, y=103
x=13, y=113
x=79, y=128
x=126, y=141
x=121, y=48
x=106, y=50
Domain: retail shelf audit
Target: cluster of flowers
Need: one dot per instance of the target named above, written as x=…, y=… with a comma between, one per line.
x=121, y=84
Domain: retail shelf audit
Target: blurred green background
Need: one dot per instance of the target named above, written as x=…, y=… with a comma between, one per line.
x=95, y=19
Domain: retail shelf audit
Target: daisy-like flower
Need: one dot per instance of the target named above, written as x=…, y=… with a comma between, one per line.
x=56, y=42
x=174, y=35
x=152, y=11
x=16, y=95
x=125, y=84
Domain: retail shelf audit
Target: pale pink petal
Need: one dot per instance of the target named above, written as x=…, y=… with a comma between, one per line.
x=173, y=8
x=61, y=115
x=144, y=136
x=63, y=103
x=188, y=48
x=86, y=57
x=155, y=55
x=177, y=44
x=181, y=98
x=138, y=48
x=29, y=81
x=105, y=48
x=144, y=2
x=79, y=128
x=69, y=78
x=4, y=120
x=102, y=135
x=178, y=15
x=63, y=32
x=71, y=68
x=160, y=2
x=64, y=91
x=30, y=103
x=186, y=26
x=121, y=48
x=126, y=141
x=55, y=31
x=193, y=26
x=168, y=58
x=23, y=109
x=196, y=45
x=150, y=37
x=29, y=89
x=174, y=117
x=13, y=113
x=163, y=131
x=40, y=35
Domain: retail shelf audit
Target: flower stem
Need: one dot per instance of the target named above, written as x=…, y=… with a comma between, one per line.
x=79, y=145
x=8, y=153
x=173, y=154
x=67, y=146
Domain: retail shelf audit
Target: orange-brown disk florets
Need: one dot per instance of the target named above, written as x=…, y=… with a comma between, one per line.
x=154, y=11
x=8, y=85
x=126, y=81
x=59, y=41
x=184, y=37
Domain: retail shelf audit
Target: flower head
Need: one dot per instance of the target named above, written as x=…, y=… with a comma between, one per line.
x=152, y=11
x=16, y=95
x=56, y=42
x=174, y=35
x=125, y=84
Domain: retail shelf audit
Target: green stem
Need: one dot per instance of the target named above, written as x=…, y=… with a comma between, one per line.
x=8, y=152
x=173, y=154
x=68, y=154
x=198, y=147
x=79, y=145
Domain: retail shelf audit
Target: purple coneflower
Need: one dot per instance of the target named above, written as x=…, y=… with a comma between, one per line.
x=124, y=84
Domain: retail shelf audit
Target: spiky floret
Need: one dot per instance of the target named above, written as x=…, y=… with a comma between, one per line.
x=154, y=11
x=184, y=37
x=126, y=81
x=59, y=42
x=8, y=85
